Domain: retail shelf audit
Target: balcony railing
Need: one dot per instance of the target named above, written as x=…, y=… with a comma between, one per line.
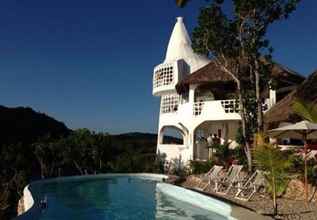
x=169, y=103
x=228, y=106
x=198, y=107
x=163, y=76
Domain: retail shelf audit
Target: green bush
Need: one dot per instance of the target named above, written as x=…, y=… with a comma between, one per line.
x=199, y=167
x=223, y=154
x=297, y=167
x=239, y=155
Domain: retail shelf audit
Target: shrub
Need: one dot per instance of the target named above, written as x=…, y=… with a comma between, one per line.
x=178, y=168
x=239, y=155
x=297, y=167
x=223, y=154
x=199, y=167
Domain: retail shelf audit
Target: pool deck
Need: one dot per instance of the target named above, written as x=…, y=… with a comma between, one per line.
x=238, y=211
x=245, y=214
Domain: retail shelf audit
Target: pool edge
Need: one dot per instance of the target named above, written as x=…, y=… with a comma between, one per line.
x=199, y=200
x=28, y=200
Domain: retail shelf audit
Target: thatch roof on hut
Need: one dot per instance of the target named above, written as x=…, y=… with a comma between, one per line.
x=284, y=74
x=283, y=112
x=213, y=75
x=209, y=74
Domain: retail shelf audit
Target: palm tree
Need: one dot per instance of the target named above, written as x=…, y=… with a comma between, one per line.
x=181, y=3
x=305, y=110
x=275, y=164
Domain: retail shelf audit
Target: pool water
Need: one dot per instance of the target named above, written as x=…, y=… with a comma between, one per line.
x=113, y=198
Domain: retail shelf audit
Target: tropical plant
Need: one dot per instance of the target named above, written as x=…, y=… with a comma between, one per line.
x=181, y=3
x=297, y=167
x=239, y=155
x=223, y=155
x=179, y=168
x=275, y=165
x=305, y=110
x=199, y=167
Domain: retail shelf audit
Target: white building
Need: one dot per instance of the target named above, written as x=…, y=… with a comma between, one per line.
x=203, y=103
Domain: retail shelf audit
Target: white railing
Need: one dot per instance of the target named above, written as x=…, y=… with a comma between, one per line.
x=198, y=107
x=230, y=106
x=169, y=103
x=163, y=76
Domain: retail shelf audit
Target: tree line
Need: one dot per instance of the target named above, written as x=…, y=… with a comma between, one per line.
x=79, y=153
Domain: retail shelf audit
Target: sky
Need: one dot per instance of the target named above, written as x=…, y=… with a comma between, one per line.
x=90, y=63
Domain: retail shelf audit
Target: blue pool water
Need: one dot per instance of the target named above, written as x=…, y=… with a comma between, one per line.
x=113, y=198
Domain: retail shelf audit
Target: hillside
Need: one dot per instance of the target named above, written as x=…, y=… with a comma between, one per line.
x=23, y=124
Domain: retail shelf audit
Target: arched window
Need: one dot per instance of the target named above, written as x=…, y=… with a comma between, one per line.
x=171, y=135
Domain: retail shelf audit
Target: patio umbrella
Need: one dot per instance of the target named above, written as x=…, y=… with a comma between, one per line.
x=304, y=130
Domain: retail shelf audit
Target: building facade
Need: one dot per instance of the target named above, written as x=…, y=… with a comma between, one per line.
x=197, y=100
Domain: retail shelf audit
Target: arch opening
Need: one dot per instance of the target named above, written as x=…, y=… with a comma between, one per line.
x=222, y=131
x=171, y=135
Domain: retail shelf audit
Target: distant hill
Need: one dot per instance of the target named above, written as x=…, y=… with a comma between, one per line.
x=147, y=137
x=23, y=124
x=137, y=135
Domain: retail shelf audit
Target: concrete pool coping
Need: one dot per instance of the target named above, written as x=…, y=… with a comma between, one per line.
x=188, y=195
x=196, y=199
x=238, y=211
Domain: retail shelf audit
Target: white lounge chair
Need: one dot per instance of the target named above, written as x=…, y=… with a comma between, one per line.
x=223, y=185
x=209, y=177
x=251, y=186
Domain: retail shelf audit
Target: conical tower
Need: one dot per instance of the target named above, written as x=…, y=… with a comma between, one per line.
x=180, y=60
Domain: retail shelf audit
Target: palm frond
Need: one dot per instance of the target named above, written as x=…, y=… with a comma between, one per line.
x=181, y=3
x=305, y=110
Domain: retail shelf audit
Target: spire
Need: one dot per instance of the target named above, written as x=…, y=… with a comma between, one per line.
x=180, y=43
x=179, y=47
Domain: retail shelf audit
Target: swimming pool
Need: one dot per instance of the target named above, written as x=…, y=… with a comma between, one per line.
x=120, y=197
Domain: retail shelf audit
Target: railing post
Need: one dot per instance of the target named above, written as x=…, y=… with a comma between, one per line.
x=191, y=97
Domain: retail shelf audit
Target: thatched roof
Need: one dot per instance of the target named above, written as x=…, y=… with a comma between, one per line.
x=285, y=76
x=208, y=74
x=212, y=74
x=283, y=112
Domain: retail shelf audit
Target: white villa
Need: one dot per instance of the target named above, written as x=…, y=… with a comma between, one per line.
x=198, y=99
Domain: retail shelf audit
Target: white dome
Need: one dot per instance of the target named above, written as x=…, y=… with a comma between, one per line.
x=179, y=47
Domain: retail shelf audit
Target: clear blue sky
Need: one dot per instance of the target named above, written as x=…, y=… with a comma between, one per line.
x=89, y=63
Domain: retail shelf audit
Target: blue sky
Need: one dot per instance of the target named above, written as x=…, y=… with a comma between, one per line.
x=89, y=63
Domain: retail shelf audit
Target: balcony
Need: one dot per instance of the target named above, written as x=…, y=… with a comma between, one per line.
x=199, y=111
x=167, y=75
x=220, y=106
x=164, y=78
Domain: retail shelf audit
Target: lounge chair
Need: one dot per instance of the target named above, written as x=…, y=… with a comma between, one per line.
x=208, y=177
x=223, y=185
x=251, y=186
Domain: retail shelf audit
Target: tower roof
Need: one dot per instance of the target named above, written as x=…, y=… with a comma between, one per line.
x=179, y=47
